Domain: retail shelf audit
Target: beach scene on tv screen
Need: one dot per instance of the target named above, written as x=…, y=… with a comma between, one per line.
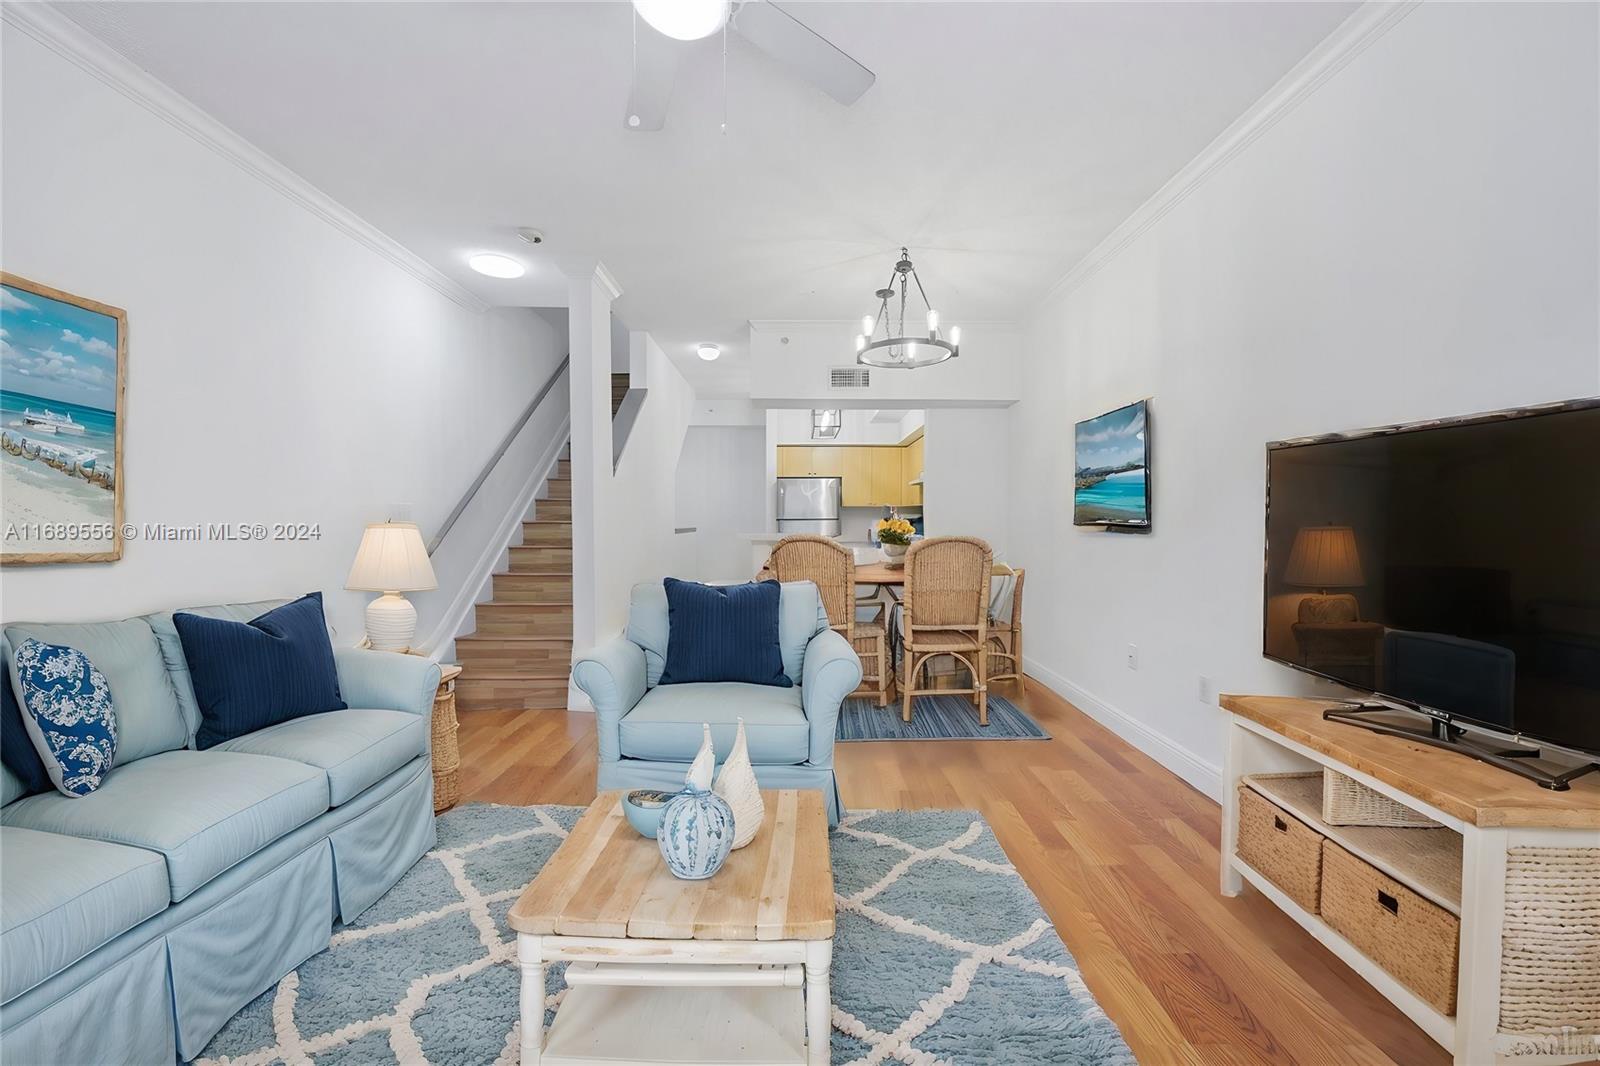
x=1110, y=468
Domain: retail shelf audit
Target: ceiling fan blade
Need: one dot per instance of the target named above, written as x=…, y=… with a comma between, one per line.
x=804, y=51
x=655, y=68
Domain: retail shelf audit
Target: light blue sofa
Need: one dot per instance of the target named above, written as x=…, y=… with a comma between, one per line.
x=649, y=733
x=136, y=920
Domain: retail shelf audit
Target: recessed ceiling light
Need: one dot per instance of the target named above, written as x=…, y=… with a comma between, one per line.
x=685, y=20
x=708, y=352
x=496, y=266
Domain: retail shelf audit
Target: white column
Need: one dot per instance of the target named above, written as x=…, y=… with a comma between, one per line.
x=590, y=290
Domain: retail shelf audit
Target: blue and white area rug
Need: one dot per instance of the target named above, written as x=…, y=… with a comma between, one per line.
x=942, y=955
x=936, y=718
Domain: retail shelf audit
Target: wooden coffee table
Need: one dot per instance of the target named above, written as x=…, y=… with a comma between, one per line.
x=732, y=969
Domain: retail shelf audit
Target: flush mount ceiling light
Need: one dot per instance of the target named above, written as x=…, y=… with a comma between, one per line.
x=708, y=352
x=496, y=266
x=897, y=350
x=685, y=20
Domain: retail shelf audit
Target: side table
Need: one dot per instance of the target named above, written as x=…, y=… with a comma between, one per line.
x=446, y=752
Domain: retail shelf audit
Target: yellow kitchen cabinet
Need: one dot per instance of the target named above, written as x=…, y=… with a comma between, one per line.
x=911, y=465
x=887, y=485
x=827, y=461
x=856, y=490
x=793, y=461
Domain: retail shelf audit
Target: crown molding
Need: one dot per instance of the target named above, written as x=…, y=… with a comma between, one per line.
x=75, y=44
x=1352, y=37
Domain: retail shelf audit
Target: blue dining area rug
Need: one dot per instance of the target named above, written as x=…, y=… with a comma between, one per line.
x=936, y=718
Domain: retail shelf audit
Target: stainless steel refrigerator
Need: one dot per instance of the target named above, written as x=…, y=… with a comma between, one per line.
x=809, y=505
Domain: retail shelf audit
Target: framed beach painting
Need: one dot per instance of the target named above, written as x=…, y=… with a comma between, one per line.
x=1111, y=469
x=63, y=373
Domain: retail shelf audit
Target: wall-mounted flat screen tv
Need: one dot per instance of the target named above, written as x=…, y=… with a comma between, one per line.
x=1450, y=565
x=1111, y=469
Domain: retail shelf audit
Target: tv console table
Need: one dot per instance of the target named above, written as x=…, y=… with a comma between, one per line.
x=1494, y=812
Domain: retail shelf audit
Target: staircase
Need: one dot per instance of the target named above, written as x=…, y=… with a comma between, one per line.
x=619, y=391
x=520, y=654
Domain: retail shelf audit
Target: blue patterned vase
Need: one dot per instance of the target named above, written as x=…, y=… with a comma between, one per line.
x=696, y=834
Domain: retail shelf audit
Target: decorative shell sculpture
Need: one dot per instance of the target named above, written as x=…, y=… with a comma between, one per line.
x=737, y=785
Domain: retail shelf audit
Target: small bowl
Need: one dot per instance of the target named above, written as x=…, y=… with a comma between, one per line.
x=643, y=808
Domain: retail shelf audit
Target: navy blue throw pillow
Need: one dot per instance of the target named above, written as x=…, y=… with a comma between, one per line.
x=723, y=633
x=249, y=675
x=16, y=746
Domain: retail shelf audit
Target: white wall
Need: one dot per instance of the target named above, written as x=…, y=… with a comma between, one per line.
x=790, y=361
x=634, y=539
x=966, y=468
x=720, y=492
x=278, y=369
x=1417, y=238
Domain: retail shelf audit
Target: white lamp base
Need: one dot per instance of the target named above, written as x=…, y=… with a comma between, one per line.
x=391, y=622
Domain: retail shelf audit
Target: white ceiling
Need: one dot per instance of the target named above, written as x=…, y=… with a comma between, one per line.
x=1001, y=141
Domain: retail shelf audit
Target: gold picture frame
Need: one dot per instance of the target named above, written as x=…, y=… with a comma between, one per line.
x=62, y=358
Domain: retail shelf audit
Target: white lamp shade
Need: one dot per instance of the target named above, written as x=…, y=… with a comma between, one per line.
x=392, y=558
x=1324, y=557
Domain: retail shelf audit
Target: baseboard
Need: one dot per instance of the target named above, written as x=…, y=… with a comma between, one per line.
x=1204, y=776
x=471, y=591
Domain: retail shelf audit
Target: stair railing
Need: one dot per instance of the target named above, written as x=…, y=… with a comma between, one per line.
x=498, y=454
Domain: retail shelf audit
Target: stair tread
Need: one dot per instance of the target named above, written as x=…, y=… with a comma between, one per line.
x=519, y=637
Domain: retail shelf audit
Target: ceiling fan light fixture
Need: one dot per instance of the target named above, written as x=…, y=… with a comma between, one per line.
x=685, y=20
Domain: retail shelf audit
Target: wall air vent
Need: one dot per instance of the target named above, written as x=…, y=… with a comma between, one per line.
x=849, y=377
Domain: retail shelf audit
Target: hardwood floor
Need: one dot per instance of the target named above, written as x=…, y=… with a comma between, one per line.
x=1122, y=855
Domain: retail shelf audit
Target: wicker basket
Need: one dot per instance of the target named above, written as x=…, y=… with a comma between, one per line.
x=1281, y=848
x=1550, y=956
x=1346, y=801
x=446, y=751
x=1414, y=939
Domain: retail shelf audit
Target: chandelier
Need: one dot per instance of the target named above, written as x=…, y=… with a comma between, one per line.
x=896, y=349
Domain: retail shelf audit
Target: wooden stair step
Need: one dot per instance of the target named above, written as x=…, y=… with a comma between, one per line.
x=499, y=694
x=563, y=468
x=552, y=510
x=514, y=619
x=558, y=488
x=546, y=533
x=540, y=559
x=522, y=657
x=533, y=588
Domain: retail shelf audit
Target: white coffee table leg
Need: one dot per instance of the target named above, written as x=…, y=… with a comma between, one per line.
x=819, y=1005
x=532, y=1000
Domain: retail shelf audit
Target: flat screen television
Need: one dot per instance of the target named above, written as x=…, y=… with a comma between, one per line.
x=1111, y=469
x=1453, y=567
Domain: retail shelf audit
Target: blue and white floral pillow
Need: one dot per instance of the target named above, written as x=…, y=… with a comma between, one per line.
x=67, y=712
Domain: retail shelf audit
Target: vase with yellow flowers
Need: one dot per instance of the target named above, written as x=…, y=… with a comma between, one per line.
x=894, y=536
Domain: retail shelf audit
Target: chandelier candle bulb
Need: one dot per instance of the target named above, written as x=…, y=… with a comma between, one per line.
x=955, y=336
x=933, y=323
x=861, y=343
x=866, y=325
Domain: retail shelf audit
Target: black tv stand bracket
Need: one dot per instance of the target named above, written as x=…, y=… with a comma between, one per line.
x=1439, y=733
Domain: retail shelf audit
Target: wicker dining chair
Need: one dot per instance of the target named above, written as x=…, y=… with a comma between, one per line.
x=945, y=611
x=1005, y=639
x=832, y=568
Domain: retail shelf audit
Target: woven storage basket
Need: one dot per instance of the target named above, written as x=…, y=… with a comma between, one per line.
x=1346, y=801
x=1550, y=955
x=446, y=752
x=1280, y=847
x=1414, y=939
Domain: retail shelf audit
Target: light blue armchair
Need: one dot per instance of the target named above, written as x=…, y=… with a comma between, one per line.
x=648, y=732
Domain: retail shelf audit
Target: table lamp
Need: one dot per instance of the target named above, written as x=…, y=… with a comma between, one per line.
x=1325, y=557
x=392, y=559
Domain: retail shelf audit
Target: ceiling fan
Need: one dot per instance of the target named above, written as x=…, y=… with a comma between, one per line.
x=763, y=23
